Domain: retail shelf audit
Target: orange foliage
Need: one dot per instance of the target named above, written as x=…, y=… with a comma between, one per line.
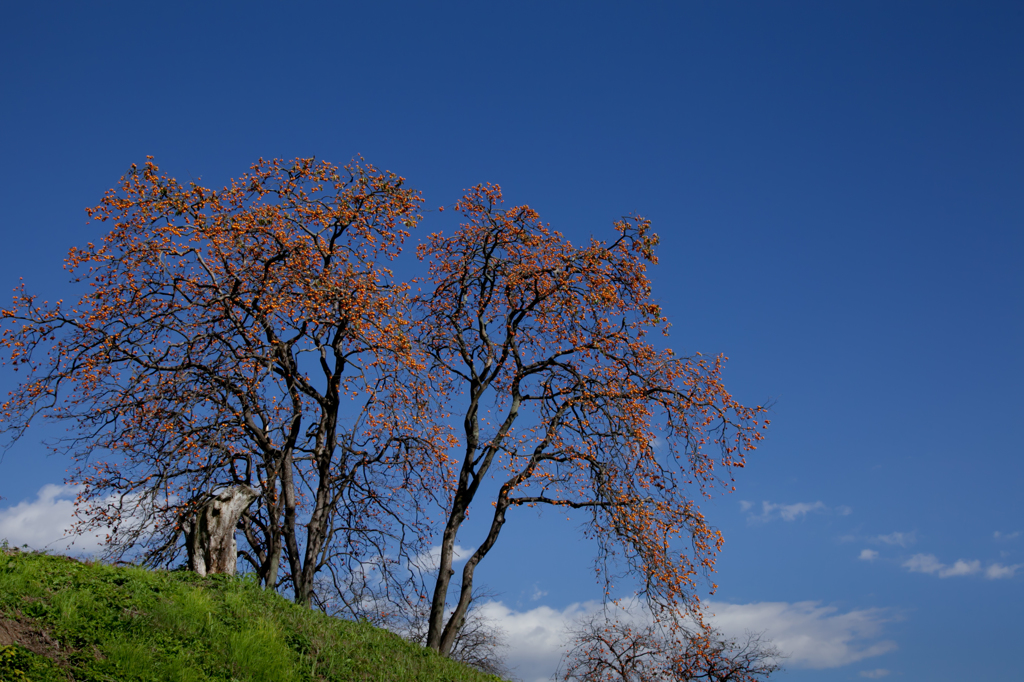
x=244, y=335
x=253, y=335
x=542, y=346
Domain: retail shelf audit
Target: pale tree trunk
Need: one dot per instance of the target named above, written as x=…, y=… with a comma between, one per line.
x=210, y=534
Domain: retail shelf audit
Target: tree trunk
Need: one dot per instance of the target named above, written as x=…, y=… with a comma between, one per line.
x=210, y=535
x=458, y=617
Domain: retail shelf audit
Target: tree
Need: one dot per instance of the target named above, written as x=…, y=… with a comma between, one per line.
x=539, y=347
x=245, y=336
x=609, y=650
x=479, y=642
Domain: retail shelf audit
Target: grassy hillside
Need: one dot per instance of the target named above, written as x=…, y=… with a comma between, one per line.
x=65, y=620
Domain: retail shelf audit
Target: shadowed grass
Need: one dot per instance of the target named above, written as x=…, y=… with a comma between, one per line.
x=103, y=624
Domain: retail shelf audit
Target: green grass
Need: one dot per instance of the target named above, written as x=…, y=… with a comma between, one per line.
x=91, y=622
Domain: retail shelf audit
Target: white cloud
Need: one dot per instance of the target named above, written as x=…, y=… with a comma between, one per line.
x=536, y=637
x=745, y=505
x=45, y=523
x=929, y=563
x=844, y=510
x=868, y=555
x=1006, y=536
x=811, y=635
x=430, y=560
x=787, y=512
x=961, y=567
x=875, y=674
x=997, y=571
x=923, y=563
x=791, y=512
x=901, y=539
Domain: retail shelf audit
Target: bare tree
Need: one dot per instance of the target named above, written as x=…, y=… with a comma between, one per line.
x=608, y=650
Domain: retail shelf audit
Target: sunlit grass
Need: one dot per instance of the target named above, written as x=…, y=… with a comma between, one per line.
x=112, y=624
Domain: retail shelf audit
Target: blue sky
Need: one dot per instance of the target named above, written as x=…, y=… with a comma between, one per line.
x=839, y=188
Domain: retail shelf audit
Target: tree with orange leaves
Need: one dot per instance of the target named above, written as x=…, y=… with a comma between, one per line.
x=540, y=347
x=250, y=336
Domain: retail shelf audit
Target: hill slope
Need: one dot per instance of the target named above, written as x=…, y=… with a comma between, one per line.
x=65, y=620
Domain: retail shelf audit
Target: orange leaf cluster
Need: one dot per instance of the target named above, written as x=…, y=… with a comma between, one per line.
x=542, y=346
x=247, y=335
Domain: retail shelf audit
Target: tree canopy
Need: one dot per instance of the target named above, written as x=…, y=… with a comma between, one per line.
x=541, y=349
x=255, y=335
x=249, y=335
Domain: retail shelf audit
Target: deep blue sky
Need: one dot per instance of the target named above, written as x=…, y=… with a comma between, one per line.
x=840, y=194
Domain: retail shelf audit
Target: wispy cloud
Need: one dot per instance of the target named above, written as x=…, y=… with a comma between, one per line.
x=997, y=571
x=46, y=522
x=430, y=560
x=961, y=567
x=901, y=539
x=875, y=674
x=868, y=555
x=923, y=563
x=787, y=512
x=999, y=535
x=930, y=564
